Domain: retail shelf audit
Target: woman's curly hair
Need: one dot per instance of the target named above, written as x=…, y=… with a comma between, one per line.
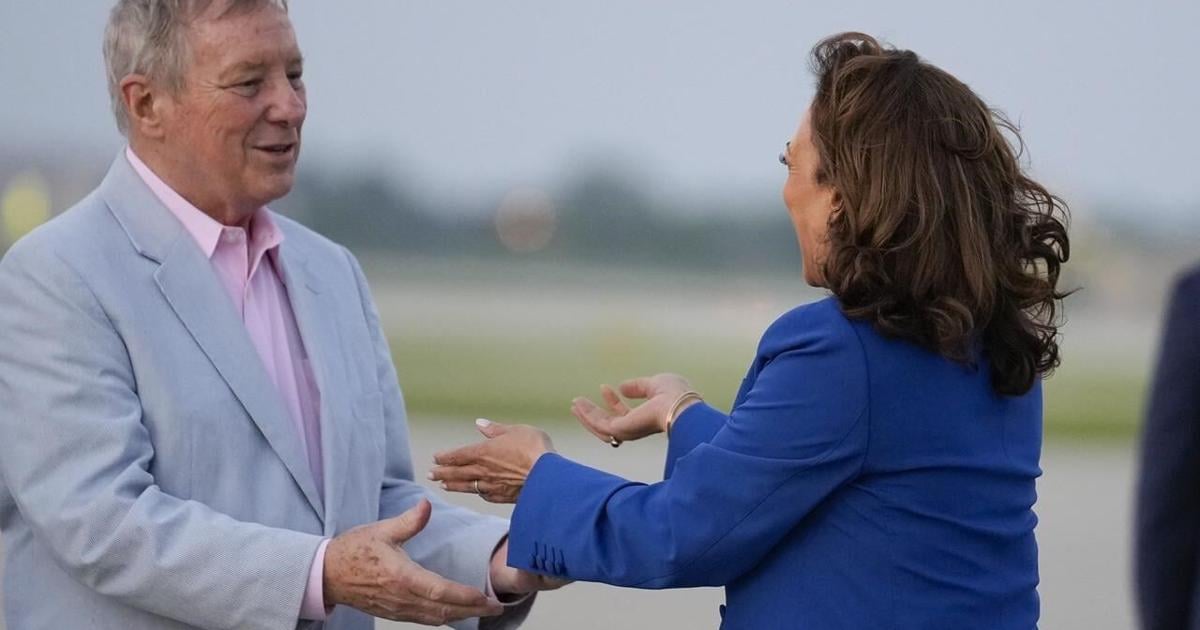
x=940, y=237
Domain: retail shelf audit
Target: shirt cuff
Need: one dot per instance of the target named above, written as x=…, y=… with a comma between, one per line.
x=312, y=607
x=510, y=600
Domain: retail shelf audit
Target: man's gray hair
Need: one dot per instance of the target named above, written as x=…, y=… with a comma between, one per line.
x=148, y=37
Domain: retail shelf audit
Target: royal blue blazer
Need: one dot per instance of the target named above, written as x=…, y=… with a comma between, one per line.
x=859, y=482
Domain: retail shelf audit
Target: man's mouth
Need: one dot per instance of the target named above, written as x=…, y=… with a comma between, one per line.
x=277, y=149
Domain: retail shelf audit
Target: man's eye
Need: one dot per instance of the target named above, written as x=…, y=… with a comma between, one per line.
x=248, y=87
x=296, y=78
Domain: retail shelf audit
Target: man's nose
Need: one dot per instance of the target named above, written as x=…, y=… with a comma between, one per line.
x=288, y=105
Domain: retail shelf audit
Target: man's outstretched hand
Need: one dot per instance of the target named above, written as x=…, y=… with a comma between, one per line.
x=507, y=581
x=365, y=568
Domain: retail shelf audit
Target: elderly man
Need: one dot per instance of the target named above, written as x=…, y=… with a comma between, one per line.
x=200, y=421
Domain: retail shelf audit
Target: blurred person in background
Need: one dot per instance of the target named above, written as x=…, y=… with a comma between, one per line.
x=201, y=424
x=878, y=467
x=1167, y=546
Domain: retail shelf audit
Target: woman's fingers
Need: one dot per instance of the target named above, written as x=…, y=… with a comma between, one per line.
x=636, y=388
x=457, y=473
x=462, y=486
x=491, y=429
x=634, y=423
x=638, y=423
x=489, y=491
x=461, y=456
x=593, y=418
x=614, y=401
x=651, y=386
x=469, y=454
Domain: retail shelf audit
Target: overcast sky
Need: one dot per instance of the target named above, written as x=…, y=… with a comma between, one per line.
x=697, y=96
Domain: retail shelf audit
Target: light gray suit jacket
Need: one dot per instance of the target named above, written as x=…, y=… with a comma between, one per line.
x=151, y=475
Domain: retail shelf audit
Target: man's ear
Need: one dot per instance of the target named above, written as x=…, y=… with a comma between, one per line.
x=145, y=104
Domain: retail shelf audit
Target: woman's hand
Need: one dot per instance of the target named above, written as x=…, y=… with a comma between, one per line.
x=617, y=422
x=495, y=469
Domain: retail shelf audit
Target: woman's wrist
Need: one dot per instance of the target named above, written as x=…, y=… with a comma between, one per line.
x=682, y=402
x=535, y=458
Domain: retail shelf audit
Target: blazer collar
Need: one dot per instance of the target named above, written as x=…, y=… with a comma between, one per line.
x=149, y=225
x=188, y=283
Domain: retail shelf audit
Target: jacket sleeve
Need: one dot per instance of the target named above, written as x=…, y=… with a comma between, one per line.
x=457, y=543
x=697, y=425
x=76, y=457
x=1168, y=498
x=799, y=435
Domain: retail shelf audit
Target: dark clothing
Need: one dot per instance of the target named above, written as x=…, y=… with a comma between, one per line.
x=1167, y=551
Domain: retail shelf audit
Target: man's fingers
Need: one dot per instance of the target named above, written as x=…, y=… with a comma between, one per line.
x=433, y=600
x=399, y=529
x=433, y=614
x=427, y=585
x=440, y=615
x=614, y=401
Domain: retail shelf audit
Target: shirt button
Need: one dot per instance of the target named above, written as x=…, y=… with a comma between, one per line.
x=234, y=236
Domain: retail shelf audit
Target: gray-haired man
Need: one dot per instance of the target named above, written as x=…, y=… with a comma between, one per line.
x=201, y=425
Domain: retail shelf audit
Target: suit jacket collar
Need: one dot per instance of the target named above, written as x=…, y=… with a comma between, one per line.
x=149, y=225
x=187, y=281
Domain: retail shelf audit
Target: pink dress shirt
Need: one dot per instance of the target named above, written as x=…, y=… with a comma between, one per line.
x=247, y=266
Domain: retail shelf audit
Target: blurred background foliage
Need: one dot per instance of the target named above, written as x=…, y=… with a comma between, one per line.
x=509, y=305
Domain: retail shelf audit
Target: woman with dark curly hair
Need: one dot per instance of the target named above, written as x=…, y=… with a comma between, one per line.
x=877, y=469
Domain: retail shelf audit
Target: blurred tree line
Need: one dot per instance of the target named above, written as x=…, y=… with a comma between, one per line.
x=600, y=216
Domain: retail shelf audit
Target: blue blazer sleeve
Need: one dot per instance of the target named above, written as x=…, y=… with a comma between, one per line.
x=799, y=434
x=697, y=425
x=1168, y=511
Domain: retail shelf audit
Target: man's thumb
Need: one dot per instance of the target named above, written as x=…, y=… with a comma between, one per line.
x=399, y=529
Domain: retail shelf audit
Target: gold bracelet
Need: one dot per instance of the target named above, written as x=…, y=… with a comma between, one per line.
x=684, y=397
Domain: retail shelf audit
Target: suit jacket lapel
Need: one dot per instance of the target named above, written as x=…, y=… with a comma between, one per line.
x=314, y=316
x=190, y=286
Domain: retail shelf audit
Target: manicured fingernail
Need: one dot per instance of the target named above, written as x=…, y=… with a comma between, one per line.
x=483, y=422
x=429, y=475
x=444, y=486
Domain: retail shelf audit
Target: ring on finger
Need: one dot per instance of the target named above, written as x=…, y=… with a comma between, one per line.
x=613, y=441
x=477, y=491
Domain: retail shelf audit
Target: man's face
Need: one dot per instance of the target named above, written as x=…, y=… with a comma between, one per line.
x=235, y=125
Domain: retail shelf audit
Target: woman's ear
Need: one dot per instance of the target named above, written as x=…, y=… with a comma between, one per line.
x=835, y=202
